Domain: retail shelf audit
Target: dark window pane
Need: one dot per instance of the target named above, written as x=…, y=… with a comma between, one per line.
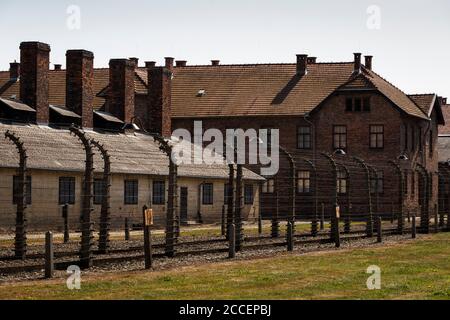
x=358, y=104
x=99, y=191
x=159, y=192
x=66, y=190
x=340, y=137
x=248, y=194
x=376, y=137
x=207, y=194
x=131, y=193
x=303, y=182
x=349, y=105
x=366, y=104
x=304, y=138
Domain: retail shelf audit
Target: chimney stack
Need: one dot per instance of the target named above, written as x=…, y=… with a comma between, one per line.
x=136, y=61
x=14, y=71
x=34, y=64
x=58, y=67
x=444, y=101
x=368, y=63
x=169, y=63
x=312, y=60
x=79, y=90
x=181, y=63
x=357, y=63
x=215, y=63
x=159, y=100
x=302, y=64
x=150, y=64
x=122, y=89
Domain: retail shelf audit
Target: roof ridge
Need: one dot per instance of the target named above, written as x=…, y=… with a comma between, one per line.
x=394, y=86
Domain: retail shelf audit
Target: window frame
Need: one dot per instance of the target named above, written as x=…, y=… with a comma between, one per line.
x=159, y=192
x=249, y=198
x=304, y=182
x=304, y=137
x=207, y=199
x=377, y=136
x=71, y=195
x=99, y=191
x=134, y=198
x=268, y=187
x=342, y=182
x=340, y=135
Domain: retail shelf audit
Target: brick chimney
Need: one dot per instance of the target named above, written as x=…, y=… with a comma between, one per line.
x=357, y=64
x=79, y=91
x=215, y=63
x=150, y=64
x=444, y=101
x=169, y=63
x=302, y=64
x=136, y=61
x=58, y=67
x=312, y=60
x=34, y=64
x=181, y=63
x=122, y=89
x=159, y=100
x=14, y=71
x=368, y=62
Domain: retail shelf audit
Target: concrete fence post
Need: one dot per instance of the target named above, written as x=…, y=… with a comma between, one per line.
x=49, y=256
x=127, y=230
x=232, y=241
x=414, y=227
x=379, y=230
x=290, y=236
x=66, y=223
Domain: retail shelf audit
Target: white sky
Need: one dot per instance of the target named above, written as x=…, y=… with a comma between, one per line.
x=411, y=48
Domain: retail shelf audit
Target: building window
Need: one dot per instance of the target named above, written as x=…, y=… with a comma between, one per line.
x=131, y=192
x=349, y=104
x=159, y=193
x=340, y=137
x=248, y=194
x=366, y=104
x=268, y=186
x=358, y=105
x=99, y=191
x=377, y=183
x=16, y=190
x=303, y=182
x=207, y=194
x=66, y=190
x=376, y=137
x=342, y=182
x=304, y=137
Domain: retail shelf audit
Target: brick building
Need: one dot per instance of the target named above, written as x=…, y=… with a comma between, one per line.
x=38, y=105
x=318, y=107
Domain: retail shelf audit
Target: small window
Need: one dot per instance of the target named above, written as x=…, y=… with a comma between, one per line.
x=159, y=193
x=99, y=191
x=16, y=190
x=342, y=182
x=66, y=190
x=366, y=104
x=268, y=186
x=377, y=183
x=358, y=105
x=303, y=182
x=248, y=194
x=349, y=104
x=207, y=194
x=131, y=192
x=340, y=137
x=376, y=137
x=304, y=137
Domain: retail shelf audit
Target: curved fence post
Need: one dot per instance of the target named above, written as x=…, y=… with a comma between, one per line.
x=172, y=221
x=401, y=178
x=105, y=213
x=20, y=240
x=238, y=208
x=370, y=225
x=230, y=199
x=293, y=187
x=335, y=218
x=87, y=234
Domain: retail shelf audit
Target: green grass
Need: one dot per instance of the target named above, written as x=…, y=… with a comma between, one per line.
x=412, y=270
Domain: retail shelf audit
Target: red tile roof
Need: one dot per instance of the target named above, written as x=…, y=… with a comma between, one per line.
x=446, y=111
x=241, y=90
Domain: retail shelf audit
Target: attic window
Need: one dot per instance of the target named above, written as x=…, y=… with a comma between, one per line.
x=201, y=93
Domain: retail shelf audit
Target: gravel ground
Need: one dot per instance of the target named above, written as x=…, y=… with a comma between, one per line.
x=182, y=260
